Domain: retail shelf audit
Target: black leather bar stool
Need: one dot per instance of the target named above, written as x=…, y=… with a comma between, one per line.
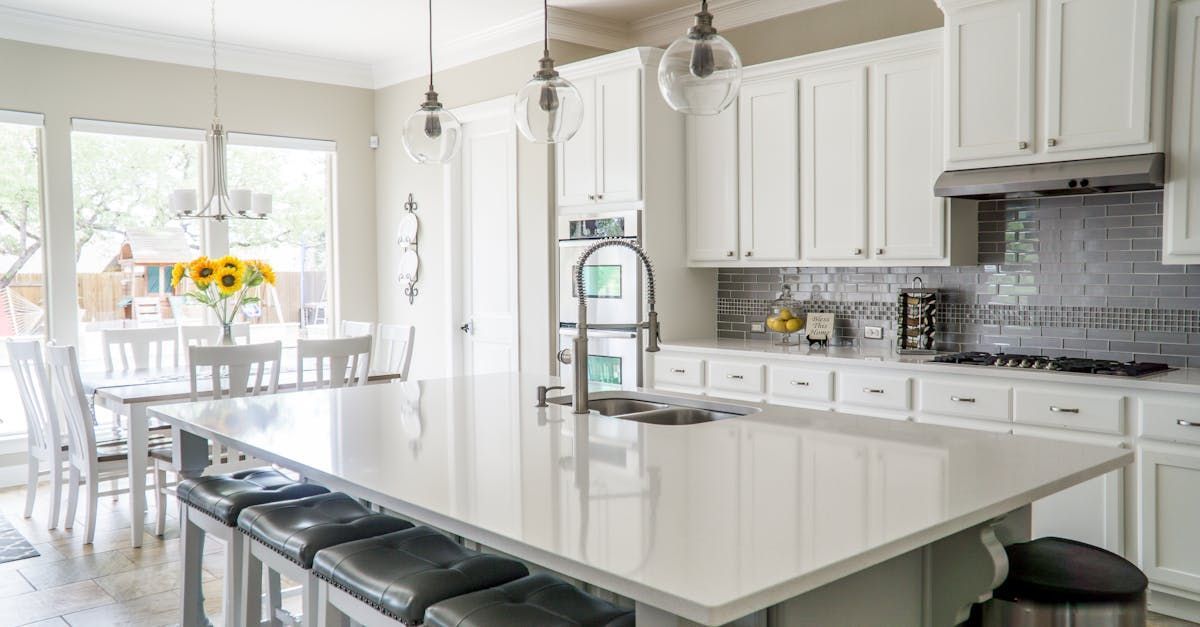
x=286, y=536
x=210, y=506
x=1053, y=582
x=540, y=600
x=396, y=577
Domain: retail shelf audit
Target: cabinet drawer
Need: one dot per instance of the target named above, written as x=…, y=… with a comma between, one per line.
x=1087, y=411
x=872, y=390
x=1171, y=421
x=804, y=384
x=735, y=377
x=679, y=371
x=970, y=400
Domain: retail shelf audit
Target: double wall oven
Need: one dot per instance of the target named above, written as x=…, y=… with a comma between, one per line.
x=612, y=283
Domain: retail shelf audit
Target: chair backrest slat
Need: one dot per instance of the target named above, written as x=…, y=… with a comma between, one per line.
x=347, y=359
x=354, y=328
x=33, y=386
x=68, y=386
x=137, y=343
x=395, y=348
x=231, y=368
x=210, y=334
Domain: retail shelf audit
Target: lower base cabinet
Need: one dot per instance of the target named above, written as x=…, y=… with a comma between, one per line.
x=1170, y=516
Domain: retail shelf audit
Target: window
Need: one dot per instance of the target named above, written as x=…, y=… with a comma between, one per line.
x=22, y=279
x=125, y=232
x=295, y=239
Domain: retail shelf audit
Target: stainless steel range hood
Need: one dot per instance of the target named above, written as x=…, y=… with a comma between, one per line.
x=1088, y=176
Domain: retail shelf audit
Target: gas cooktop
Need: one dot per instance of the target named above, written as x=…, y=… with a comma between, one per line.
x=1056, y=364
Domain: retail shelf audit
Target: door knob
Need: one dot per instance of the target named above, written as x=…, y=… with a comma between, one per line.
x=466, y=328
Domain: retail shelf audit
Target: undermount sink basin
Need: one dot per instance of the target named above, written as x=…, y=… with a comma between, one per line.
x=657, y=409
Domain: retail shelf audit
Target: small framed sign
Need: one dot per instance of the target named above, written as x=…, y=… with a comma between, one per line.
x=820, y=328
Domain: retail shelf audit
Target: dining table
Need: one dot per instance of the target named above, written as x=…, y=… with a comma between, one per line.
x=131, y=393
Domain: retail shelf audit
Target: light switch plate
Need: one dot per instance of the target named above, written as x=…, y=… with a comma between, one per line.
x=873, y=333
x=756, y=327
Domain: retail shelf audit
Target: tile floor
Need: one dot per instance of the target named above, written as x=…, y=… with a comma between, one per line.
x=108, y=583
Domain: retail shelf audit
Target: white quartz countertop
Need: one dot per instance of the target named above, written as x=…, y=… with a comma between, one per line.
x=710, y=521
x=1186, y=380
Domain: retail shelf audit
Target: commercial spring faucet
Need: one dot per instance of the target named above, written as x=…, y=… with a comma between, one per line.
x=580, y=352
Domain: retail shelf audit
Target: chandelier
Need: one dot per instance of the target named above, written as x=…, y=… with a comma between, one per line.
x=219, y=203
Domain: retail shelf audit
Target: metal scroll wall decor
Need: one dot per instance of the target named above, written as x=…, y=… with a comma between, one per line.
x=410, y=262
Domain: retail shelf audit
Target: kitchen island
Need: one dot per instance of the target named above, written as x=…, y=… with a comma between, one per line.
x=812, y=516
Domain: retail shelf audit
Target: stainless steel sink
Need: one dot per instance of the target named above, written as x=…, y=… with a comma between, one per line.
x=658, y=409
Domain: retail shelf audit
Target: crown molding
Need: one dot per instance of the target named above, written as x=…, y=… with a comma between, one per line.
x=50, y=30
x=662, y=29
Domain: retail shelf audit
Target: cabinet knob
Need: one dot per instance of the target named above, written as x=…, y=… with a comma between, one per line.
x=856, y=251
x=591, y=197
x=731, y=254
x=1051, y=142
x=1022, y=145
x=749, y=253
x=878, y=251
x=599, y=196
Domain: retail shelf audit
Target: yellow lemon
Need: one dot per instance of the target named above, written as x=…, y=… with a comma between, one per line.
x=793, y=325
x=785, y=314
x=776, y=325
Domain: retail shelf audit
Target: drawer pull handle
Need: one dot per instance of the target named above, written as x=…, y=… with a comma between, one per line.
x=737, y=377
x=1064, y=410
x=962, y=399
x=678, y=371
x=873, y=390
x=1187, y=423
x=802, y=384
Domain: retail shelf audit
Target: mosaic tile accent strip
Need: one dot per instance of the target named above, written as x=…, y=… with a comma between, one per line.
x=1077, y=275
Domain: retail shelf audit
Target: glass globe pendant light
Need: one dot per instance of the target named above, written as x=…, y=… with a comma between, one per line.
x=700, y=74
x=549, y=109
x=431, y=134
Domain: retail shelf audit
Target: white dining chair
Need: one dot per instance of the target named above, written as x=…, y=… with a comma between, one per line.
x=142, y=348
x=393, y=352
x=353, y=328
x=339, y=362
x=44, y=440
x=210, y=334
x=89, y=463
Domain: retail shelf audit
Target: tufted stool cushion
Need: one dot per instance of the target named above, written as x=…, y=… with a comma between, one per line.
x=225, y=496
x=298, y=529
x=403, y=573
x=540, y=600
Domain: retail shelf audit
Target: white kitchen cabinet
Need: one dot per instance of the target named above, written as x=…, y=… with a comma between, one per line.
x=1170, y=515
x=1099, y=55
x=907, y=221
x=833, y=164
x=990, y=79
x=1181, y=200
x=768, y=172
x=712, y=186
x=602, y=163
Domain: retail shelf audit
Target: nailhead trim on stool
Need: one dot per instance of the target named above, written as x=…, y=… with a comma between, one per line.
x=225, y=496
x=540, y=600
x=401, y=574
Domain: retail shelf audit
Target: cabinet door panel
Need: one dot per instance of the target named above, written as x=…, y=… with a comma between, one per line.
x=619, y=131
x=1098, y=58
x=577, y=157
x=1181, y=202
x=907, y=220
x=990, y=50
x=1170, y=517
x=833, y=164
x=768, y=172
x=712, y=201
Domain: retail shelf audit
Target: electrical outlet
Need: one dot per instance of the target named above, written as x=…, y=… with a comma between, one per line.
x=873, y=333
x=756, y=327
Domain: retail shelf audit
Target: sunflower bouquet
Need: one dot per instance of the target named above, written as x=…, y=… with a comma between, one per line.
x=224, y=285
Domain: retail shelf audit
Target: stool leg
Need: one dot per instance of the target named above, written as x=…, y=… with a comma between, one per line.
x=191, y=600
x=252, y=576
x=311, y=608
x=274, y=597
x=330, y=615
x=234, y=556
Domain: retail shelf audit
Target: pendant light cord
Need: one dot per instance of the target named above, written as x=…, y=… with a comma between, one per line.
x=430, y=45
x=546, y=27
x=213, y=21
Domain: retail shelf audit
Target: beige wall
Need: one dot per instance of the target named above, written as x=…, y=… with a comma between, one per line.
x=63, y=84
x=397, y=176
x=831, y=26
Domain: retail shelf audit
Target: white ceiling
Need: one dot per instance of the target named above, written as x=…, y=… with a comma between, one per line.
x=367, y=43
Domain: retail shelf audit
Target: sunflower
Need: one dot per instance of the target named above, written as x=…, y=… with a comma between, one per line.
x=265, y=269
x=229, y=261
x=229, y=280
x=203, y=271
x=177, y=273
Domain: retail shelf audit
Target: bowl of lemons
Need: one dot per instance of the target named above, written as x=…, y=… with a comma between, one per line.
x=784, y=317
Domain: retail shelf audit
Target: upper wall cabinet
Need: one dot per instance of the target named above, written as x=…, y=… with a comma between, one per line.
x=602, y=163
x=712, y=190
x=833, y=164
x=1181, y=200
x=768, y=169
x=1098, y=63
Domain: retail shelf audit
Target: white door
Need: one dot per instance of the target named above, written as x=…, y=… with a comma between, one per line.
x=618, y=136
x=712, y=178
x=1181, y=201
x=833, y=164
x=486, y=183
x=1098, y=58
x=577, y=158
x=1171, y=516
x=990, y=51
x=907, y=220
x=768, y=172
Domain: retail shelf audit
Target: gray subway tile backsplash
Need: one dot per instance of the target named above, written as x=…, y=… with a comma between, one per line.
x=1077, y=275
